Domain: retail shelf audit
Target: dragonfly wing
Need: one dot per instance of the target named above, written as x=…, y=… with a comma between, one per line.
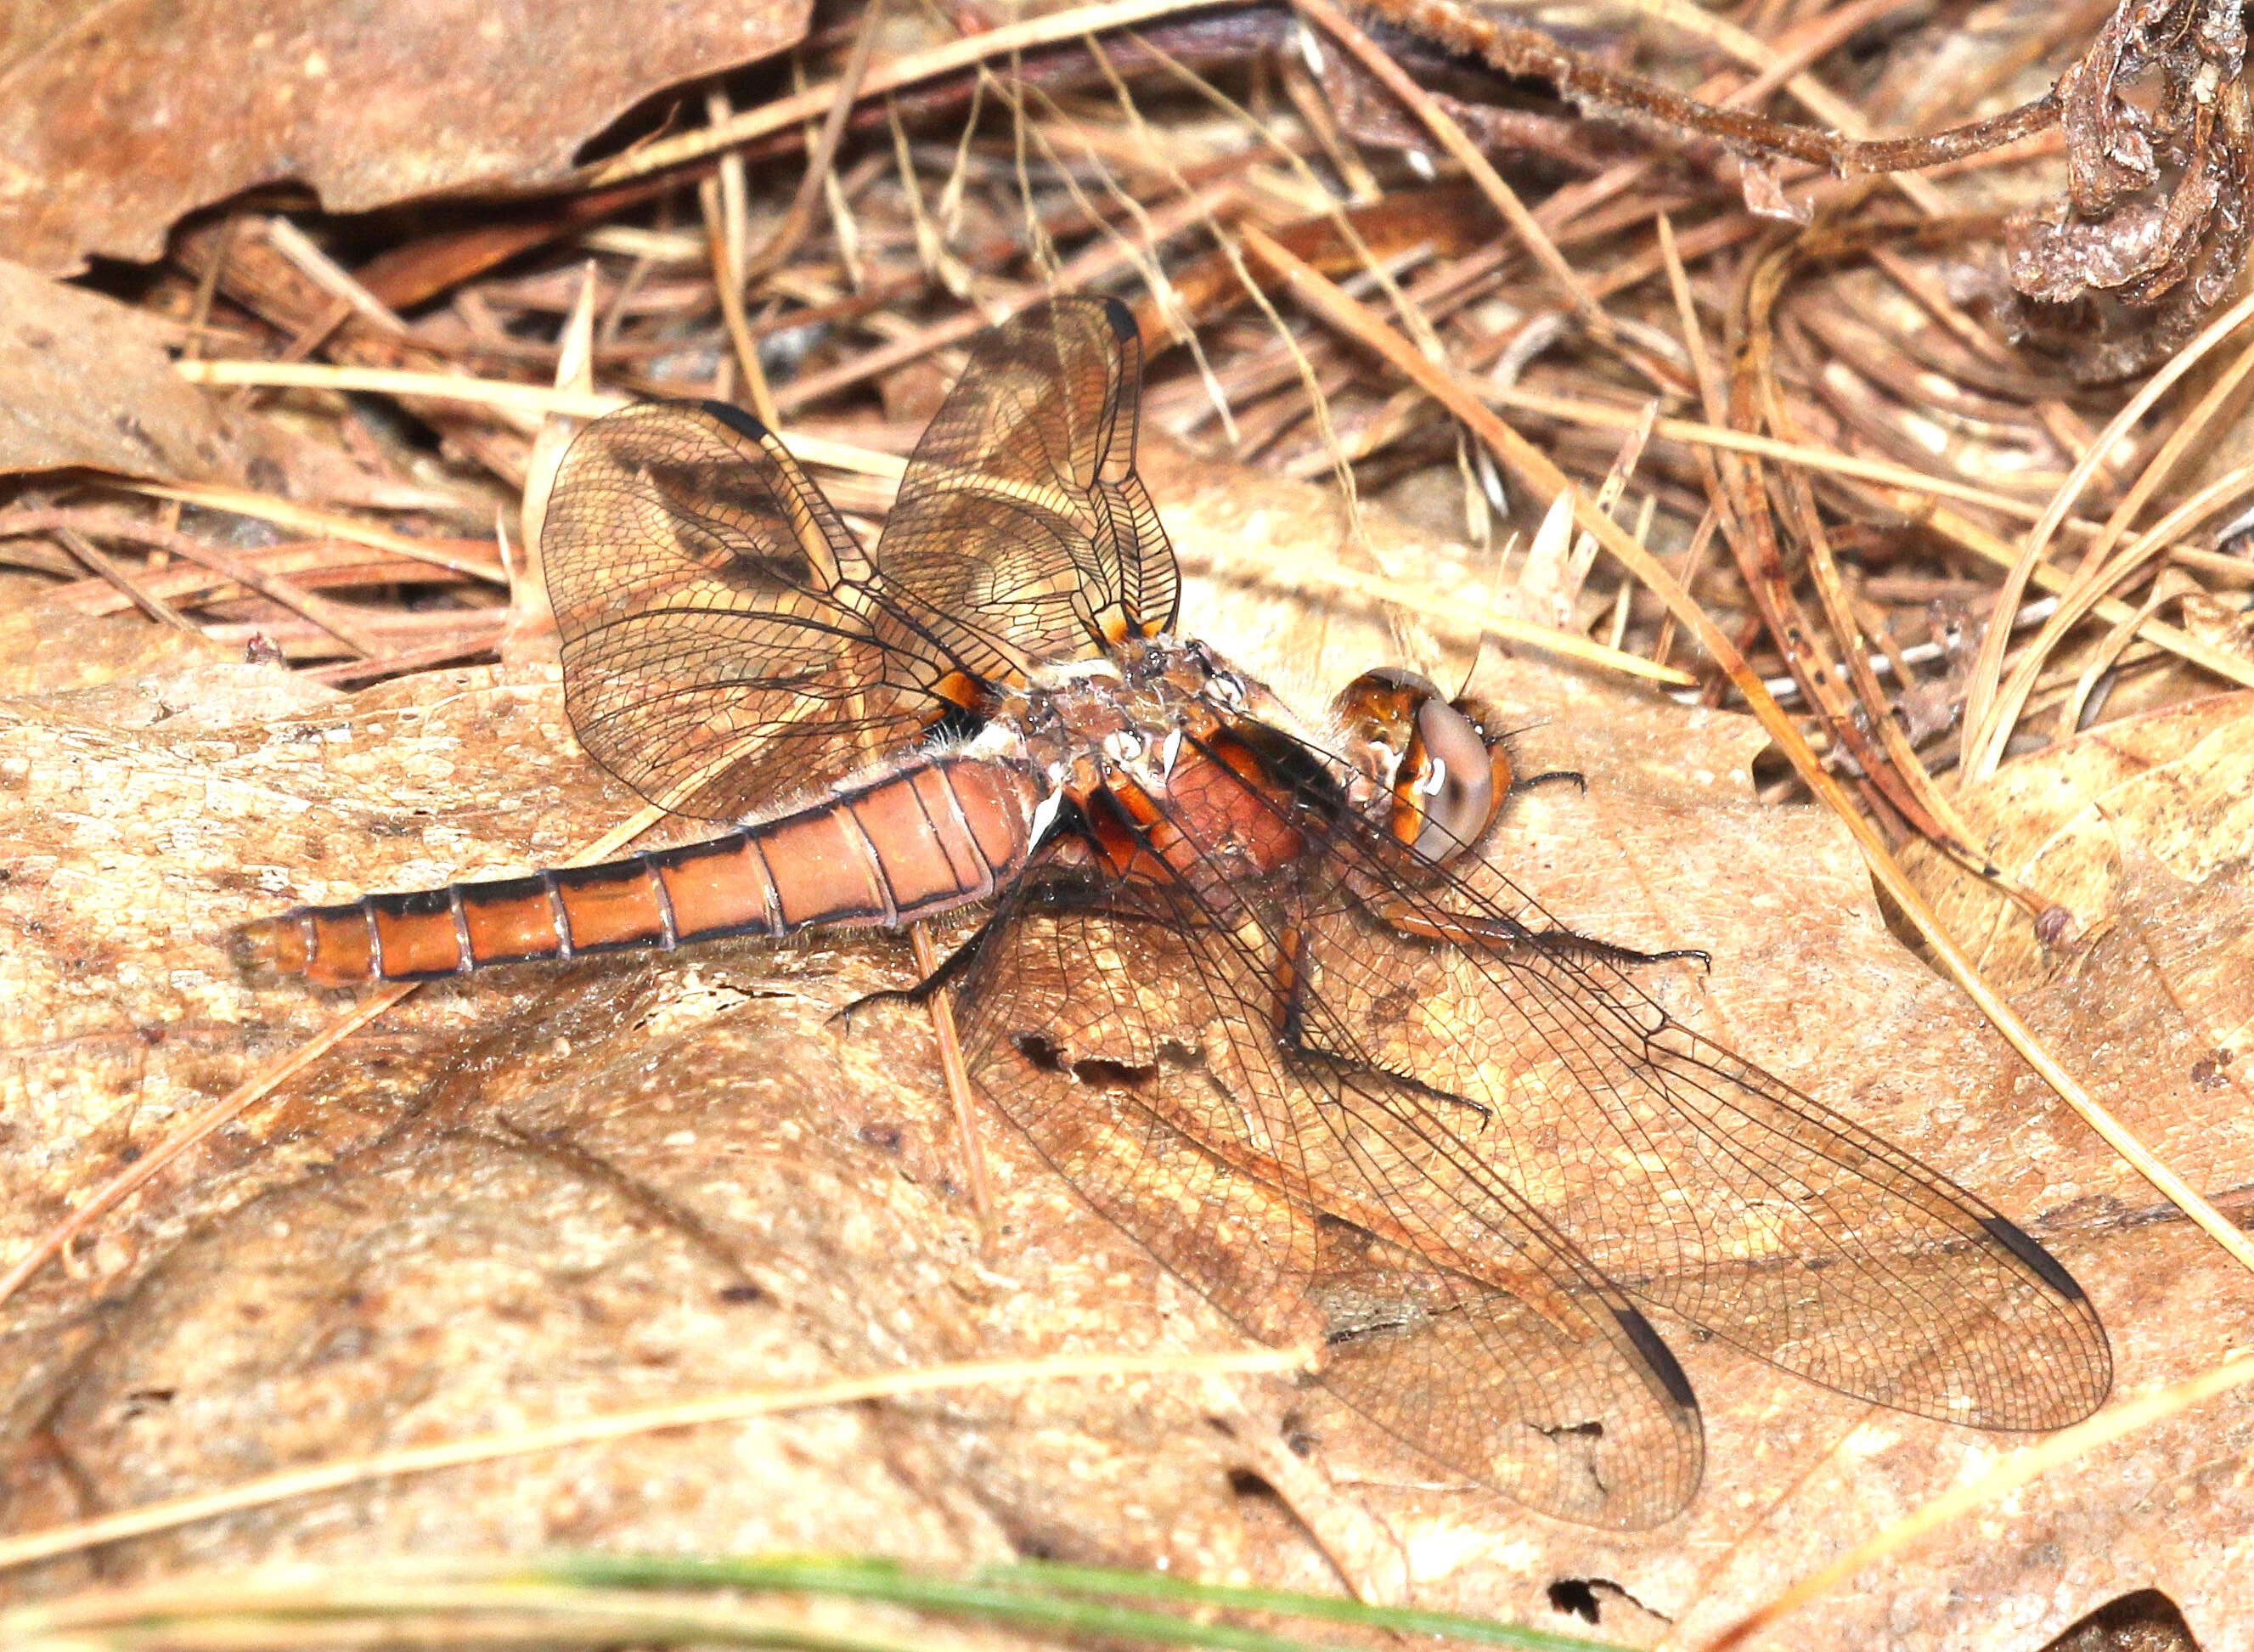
x=1693, y=1179
x=1021, y=531
x=1318, y=1200
x=724, y=639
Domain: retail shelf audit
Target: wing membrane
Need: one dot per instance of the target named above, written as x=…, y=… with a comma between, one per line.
x=1126, y=1036
x=1466, y=1158
x=1698, y=1182
x=725, y=638
x=1021, y=531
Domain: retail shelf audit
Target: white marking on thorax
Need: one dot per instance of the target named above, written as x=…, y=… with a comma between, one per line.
x=994, y=739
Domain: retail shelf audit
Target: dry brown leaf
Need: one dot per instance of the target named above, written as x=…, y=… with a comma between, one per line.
x=2075, y=820
x=2140, y=828
x=86, y=382
x=543, y=1192
x=46, y=648
x=115, y=121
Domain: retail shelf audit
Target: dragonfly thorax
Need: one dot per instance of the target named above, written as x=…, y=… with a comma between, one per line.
x=1175, y=766
x=1132, y=712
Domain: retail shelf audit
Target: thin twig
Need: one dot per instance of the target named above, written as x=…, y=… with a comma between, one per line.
x=102, y=563
x=1482, y=171
x=531, y=398
x=798, y=218
x=1523, y=51
x=958, y=1085
x=288, y=514
x=784, y=113
x=1987, y=718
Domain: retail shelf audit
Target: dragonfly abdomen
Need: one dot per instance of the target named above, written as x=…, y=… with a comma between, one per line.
x=938, y=833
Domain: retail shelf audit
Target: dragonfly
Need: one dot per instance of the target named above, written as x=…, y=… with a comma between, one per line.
x=1237, y=982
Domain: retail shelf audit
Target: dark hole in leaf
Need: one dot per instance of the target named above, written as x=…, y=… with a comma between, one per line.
x=1574, y=1596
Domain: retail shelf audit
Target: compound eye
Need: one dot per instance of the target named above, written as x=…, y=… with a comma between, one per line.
x=1398, y=679
x=1455, y=784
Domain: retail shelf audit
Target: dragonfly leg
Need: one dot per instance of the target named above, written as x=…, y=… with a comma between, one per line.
x=1579, y=779
x=1501, y=935
x=950, y=967
x=1565, y=940
x=1565, y=943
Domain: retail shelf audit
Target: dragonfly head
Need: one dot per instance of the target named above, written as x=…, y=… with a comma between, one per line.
x=1436, y=767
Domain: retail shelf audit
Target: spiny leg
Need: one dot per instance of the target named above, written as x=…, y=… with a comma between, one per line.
x=1556, y=941
x=933, y=979
x=1476, y=933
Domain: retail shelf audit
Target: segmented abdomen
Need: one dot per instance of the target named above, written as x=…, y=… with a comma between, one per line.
x=942, y=832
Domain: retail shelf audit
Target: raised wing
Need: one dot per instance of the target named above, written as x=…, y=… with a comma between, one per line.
x=1320, y=1201
x=1021, y=531
x=1691, y=1177
x=725, y=640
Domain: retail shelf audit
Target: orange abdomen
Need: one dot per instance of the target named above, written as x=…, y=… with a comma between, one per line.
x=942, y=832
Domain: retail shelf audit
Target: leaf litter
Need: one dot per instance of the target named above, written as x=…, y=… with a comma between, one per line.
x=514, y=1199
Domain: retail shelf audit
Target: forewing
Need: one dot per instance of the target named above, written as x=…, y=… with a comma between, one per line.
x=1021, y=531
x=1698, y=1182
x=721, y=628
x=1319, y=1201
